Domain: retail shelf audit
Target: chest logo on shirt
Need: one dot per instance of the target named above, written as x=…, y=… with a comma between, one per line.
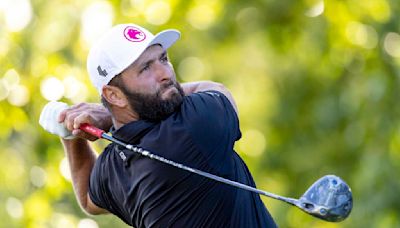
x=134, y=34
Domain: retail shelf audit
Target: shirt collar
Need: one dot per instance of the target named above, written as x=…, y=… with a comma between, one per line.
x=132, y=132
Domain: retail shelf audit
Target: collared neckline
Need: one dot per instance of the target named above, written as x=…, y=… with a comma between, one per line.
x=132, y=132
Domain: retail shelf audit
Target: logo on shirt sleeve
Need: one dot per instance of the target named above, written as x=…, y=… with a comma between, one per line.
x=212, y=93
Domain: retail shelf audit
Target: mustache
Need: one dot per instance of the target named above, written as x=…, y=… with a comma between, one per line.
x=167, y=84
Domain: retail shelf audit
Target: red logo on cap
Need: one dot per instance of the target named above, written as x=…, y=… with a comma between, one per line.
x=134, y=34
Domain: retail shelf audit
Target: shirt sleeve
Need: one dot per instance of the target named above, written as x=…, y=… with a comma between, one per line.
x=213, y=123
x=96, y=189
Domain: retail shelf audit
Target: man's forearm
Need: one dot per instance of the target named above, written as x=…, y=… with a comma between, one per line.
x=198, y=86
x=81, y=160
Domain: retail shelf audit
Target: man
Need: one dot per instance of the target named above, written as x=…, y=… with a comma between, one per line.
x=194, y=124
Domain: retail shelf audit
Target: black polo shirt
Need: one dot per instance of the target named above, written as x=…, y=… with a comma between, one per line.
x=147, y=193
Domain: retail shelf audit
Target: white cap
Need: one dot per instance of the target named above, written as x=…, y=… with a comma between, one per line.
x=119, y=48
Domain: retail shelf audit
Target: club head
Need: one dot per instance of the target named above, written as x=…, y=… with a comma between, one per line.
x=329, y=198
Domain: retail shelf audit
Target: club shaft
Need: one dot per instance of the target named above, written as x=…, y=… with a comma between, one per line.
x=198, y=172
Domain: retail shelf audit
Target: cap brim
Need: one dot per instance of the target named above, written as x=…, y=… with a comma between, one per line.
x=166, y=38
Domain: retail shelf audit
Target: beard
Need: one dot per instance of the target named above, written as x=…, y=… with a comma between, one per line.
x=151, y=107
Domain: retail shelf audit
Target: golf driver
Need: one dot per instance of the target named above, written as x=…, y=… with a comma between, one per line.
x=329, y=198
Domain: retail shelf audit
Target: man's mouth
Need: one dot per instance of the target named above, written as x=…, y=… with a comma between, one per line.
x=167, y=89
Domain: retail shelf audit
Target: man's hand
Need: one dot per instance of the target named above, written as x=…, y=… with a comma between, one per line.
x=49, y=116
x=59, y=119
x=93, y=114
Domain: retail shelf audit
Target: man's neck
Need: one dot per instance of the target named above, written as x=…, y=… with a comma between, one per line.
x=123, y=116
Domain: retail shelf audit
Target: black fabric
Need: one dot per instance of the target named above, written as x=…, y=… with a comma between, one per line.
x=148, y=193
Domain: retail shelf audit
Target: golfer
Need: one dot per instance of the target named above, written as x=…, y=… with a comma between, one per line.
x=195, y=124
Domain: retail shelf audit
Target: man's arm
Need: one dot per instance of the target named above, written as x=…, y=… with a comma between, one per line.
x=81, y=156
x=194, y=87
x=81, y=160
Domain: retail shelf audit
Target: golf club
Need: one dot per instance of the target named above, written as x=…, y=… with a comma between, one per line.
x=329, y=198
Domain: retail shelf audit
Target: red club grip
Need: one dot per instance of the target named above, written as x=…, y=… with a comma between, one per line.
x=91, y=130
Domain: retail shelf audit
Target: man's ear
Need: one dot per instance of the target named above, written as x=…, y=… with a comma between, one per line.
x=114, y=96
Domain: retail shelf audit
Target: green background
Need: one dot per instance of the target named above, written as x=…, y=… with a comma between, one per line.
x=316, y=84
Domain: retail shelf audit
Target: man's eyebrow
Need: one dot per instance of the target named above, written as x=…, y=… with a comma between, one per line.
x=143, y=64
x=148, y=62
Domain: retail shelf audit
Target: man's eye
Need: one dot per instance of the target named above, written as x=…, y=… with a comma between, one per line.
x=145, y=68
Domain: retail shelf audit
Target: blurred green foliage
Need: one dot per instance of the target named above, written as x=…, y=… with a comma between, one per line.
x=316, y=83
